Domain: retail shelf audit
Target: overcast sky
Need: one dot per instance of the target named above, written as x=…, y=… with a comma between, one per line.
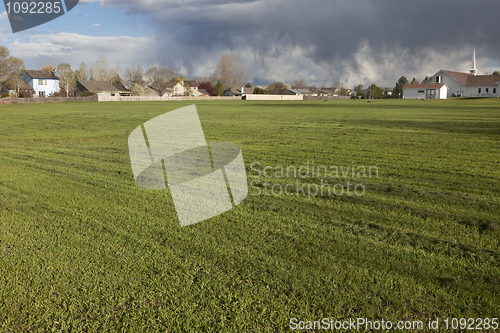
x=319, y=41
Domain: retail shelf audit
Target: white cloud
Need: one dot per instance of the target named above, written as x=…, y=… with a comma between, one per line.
x=75, y=48
x=95, y=25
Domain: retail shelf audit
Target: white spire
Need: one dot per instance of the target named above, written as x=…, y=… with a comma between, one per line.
x=473, y=70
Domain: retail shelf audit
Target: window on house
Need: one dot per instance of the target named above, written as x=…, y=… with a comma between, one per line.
x=479, y=91
x=41, y=94
x=487, y=89
x=494, y=90
x=42, y=82
x=438, y=79
x=421, y=91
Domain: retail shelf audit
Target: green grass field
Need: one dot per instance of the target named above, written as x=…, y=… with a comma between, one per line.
x=83, y=249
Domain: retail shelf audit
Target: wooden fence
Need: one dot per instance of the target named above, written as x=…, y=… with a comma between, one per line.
x=10, y=100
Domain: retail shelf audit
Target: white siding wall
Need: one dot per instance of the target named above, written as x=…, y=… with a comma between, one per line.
x=412, y=93
x=473, y=91
x=454, y=87
x=51, y=87
x=442, y=93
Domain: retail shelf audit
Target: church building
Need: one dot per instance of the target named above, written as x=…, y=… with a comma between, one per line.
x=456, y=84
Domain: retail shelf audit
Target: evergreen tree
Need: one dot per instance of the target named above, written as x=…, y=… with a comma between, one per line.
x=218, y=88
x=398, y=89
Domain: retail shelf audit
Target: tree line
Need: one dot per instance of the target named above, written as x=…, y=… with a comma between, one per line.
x=229, y=73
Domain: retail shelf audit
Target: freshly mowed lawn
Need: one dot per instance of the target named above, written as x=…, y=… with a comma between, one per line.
x=83, y=249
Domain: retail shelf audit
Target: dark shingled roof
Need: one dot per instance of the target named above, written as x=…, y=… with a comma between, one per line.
x=121, y=87
x=248, y=90
x=191, y=83
x=35, y=74
x=474, y=80
x=25, y=86
x=98, y=86
x=485, y=80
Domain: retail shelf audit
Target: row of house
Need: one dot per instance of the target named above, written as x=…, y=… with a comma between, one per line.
x=304, y=92
x=38, y=83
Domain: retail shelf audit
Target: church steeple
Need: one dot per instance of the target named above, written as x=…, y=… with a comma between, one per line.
x=473, y=70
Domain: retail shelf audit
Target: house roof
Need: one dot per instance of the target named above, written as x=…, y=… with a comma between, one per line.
x=248, y=90
x=191, y=83
x=204, y=92
x=121, y=87
x=25, y=86
x=459, y=76
x=486, y=80
x=329, y=91
x=300, y=91
x=36, y=74
x=424, y=86
x=234, y=90
x=98, y=86
x=469, y=79
x=172, y=83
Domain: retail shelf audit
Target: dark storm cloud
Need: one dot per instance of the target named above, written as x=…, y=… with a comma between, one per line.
x=330, y=31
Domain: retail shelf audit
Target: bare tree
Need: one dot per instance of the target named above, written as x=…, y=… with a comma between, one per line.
x=10, y=67
x=115, y=78
x=137, y=90
x=187, y=90
x=299, y=84
x=158, y=78
x=67, y=79
x=82, y=72
x=230, y=71
x=49, y=65
x=132, y=76
x=338, y=84
x=15, y=82
x=212, y=79
x=101, y=70
x=276, y=88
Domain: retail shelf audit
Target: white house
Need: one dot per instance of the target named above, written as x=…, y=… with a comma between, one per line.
x=194, y=87
x=467, y=84
x=44, y=83
x=425, y=91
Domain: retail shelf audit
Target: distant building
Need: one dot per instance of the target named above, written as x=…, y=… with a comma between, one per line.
x=425, y=91
x=465, y=84
x=388, y=91
x=204, y=92
x=232, y=92
x=194, y=87
x=99, y=87
x=304, y=92
x=44, y=83
x=247, y=90
x=329, y=91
